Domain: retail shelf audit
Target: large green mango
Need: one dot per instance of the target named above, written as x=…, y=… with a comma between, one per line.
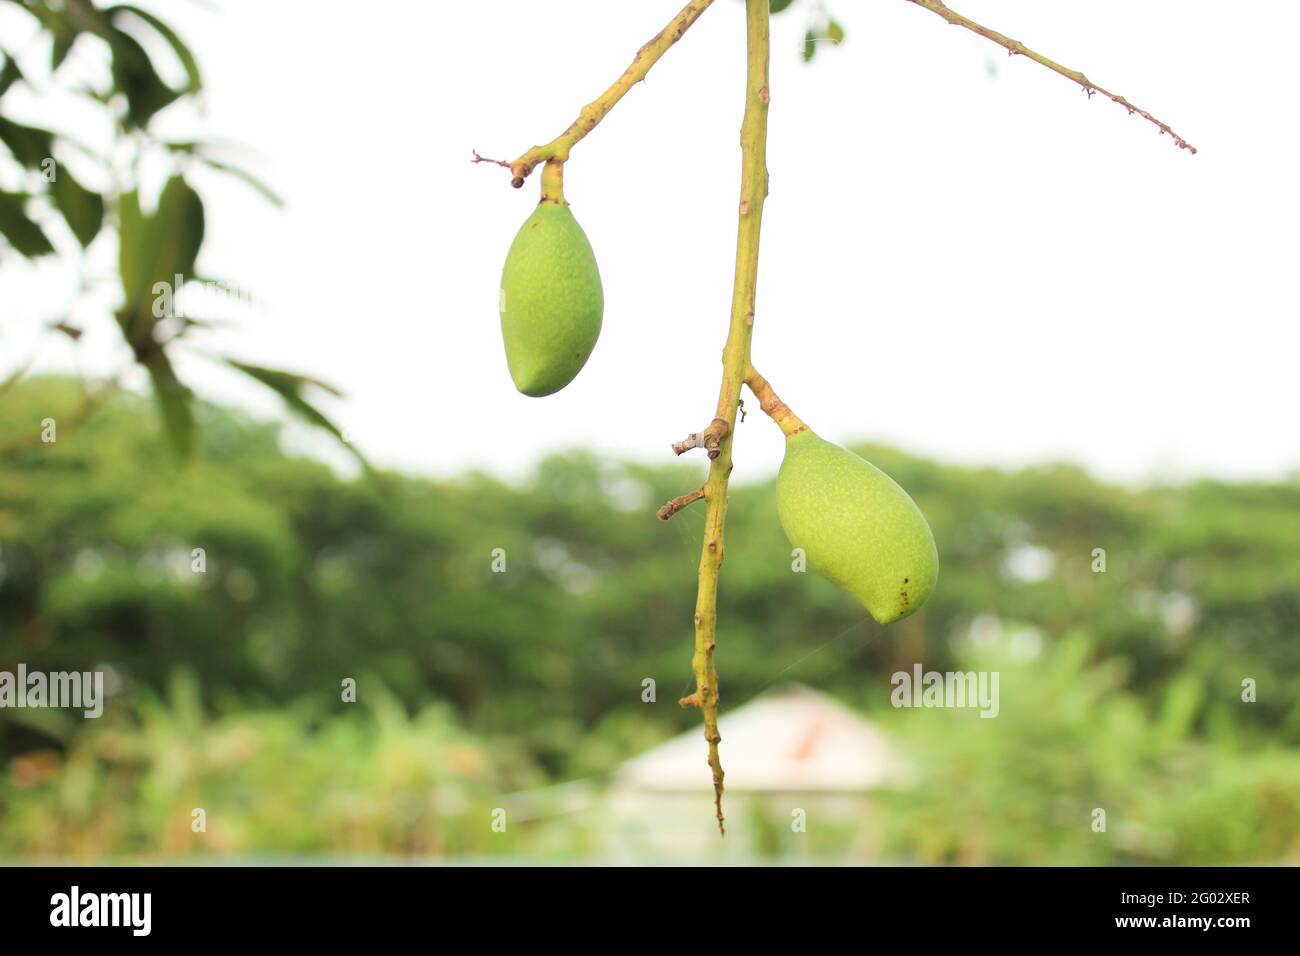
x=551, y=301
x=857, y=527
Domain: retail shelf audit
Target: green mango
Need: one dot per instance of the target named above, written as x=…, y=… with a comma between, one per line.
x=857, y=527
x=551, y=301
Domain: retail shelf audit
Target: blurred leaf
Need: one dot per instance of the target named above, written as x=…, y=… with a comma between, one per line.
x=135, y=77
x=31, y=146
x=175, y=402
x=239, y=173
x=9, y=73
x=777, y=6
x=202, y=151
x=178, y=46
x=196, y=146
x=157, y=248
x=66, y=23
x=23, y=234
x=134, y=246
x=178, y=228
x=63, y=43
x=290, y=386
x=15, y=376
x=835, y=32
x=1182, y=702
x=82, y=208
x=809, y=46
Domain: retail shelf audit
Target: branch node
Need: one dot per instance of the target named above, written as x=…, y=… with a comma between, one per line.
x=709, y=439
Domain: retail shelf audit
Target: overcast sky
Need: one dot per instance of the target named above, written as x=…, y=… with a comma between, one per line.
x=962, y=254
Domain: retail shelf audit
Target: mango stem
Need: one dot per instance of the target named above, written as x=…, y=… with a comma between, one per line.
x=777, y=410
x=553, y=183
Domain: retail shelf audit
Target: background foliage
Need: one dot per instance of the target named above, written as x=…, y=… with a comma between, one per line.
x=1120, y=689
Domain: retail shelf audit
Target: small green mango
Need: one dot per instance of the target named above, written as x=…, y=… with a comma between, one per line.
x=551, y=301
x=857, y=527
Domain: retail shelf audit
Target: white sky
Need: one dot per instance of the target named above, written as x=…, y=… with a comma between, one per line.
x=986, y=269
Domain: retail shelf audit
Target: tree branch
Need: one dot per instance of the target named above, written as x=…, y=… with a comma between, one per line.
x=557, y=150
x=735, y=356
x=1016, y=48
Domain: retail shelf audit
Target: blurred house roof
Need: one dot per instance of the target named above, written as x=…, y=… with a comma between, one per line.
x=790, y=739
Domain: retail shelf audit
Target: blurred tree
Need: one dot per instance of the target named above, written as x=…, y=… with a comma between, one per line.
x=309, y=577
x=159, y=235
x=1124, y=682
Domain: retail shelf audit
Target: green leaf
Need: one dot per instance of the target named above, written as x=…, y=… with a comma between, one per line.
x=809, y=46
x=31, y=146
x=290, y=386
x=134, y=248
x=9, y=73
x=15, y=376
x=202, y=151
x=135, y=77
x=835, y=32
x=63, y=43
x=178, y=45
x=157, y=248
x=178, y=228
x=776, y=6
x=82, y=208
x=175, y=403
x=196, y=146
x=239, y=173
x=67, y=24
x=23, y=234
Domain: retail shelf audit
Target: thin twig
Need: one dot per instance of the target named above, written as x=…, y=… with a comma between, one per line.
x=557, y=150
x=483, y=159
x=1016, y=48
x=680, y=502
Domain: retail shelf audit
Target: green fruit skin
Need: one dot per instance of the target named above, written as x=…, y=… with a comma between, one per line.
x=551, y=301
x=858, y=528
